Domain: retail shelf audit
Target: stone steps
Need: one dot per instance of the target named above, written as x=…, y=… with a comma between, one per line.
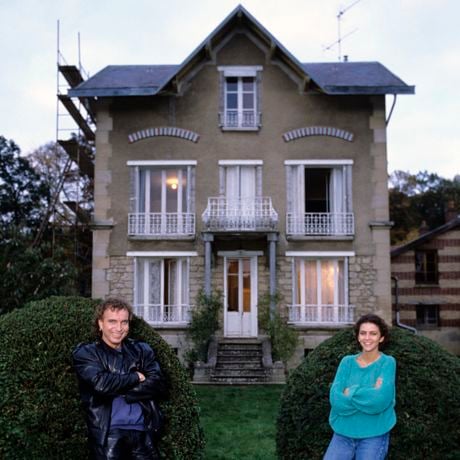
x=239, y=362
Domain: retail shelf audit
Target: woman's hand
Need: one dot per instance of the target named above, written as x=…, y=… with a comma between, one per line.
x=346, y=392
x=378, y=383
x=141, y=376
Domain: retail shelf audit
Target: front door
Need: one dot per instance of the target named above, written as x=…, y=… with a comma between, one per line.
x=240, y=284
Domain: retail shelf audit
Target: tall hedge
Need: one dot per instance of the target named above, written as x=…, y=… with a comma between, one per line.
x=40, y=413
x=427, y=400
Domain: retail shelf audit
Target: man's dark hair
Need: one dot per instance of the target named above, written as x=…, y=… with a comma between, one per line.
x=374, y=319
x=111, y=303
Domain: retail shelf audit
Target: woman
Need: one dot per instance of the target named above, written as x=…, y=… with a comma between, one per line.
x=362, y=397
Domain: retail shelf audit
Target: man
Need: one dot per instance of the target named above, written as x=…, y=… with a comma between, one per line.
x=119, y=380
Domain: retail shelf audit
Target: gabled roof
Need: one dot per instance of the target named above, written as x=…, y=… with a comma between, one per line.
x=451, y=225
x=332, y=78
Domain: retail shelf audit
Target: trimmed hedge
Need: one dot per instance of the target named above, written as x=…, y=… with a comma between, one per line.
x=427, y=400
x=40, y=413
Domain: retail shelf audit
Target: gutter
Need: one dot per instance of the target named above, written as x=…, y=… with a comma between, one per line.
x=387, y=121
x=398, y=320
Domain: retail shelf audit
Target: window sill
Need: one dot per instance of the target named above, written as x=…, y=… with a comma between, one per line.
x=319, y=326
x=170, y=325
x=320, y=237
x=161, y=237
x=427, y=285
x=238, y=128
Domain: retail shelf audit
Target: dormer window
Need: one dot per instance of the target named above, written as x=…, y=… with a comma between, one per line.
x=240, y=98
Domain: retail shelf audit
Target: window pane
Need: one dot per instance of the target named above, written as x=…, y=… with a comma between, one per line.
x=155, y=282
x=311, y=283
x=142, y=185
x=155, y=190
x=248, y=84
x=232, y=84
x=170, y=283
x=341, y=281
x=327, y=282
x=232, y=285
x=185, y=283
x=246, y=285
x=139, y=284
x=172, y=185
x=248, y=101
x=232, y=101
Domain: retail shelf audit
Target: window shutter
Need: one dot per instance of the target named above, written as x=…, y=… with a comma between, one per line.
x=190, y=189
x=259, y=98
x=133, y=189
x=221, y=98
x=348, y=188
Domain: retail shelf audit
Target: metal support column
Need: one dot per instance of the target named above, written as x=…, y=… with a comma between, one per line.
x=208, y=239
x=272, y=240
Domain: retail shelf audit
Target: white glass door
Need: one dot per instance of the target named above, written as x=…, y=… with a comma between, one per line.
x=240, y=296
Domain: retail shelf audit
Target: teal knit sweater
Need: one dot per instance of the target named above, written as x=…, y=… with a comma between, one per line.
x=366, y=411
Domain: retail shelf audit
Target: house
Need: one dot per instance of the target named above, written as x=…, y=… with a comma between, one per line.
x=426, y=291
x=246, y=171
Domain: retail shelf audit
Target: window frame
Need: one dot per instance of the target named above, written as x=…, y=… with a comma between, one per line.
x=423, y=276
x=141, y=301
x=240, y=72
x=422, y=316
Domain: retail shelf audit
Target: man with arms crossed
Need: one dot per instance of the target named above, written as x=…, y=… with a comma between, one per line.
x=119, y=380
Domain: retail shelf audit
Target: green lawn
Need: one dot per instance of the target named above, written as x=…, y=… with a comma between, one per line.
x=239, y=421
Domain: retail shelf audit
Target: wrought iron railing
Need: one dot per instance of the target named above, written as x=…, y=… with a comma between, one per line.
x=320, y=223
x=164, y=314
x=320, y=314
x=240, y=214
x=237, y=119
x=156, y=224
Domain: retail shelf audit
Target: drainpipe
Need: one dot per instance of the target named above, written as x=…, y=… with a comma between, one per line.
x=387, y=121
x=398, y=321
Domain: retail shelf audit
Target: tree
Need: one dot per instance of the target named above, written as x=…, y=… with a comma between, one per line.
x=23, y=194
x=417, y=199
x=27, y=271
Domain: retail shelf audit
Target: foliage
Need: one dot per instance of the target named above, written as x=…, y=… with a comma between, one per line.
x=420, y=198
x=427, y=401
x=23, y=193
x=203, y=325
x=239, y=421
x=40, y=415
x=32, y=273
x=283, y=338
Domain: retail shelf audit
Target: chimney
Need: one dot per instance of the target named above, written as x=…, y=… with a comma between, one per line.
x=450, y=212
x=423, y=228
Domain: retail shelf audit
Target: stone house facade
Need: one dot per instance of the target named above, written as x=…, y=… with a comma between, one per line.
x=426, y=291
x=246, y=171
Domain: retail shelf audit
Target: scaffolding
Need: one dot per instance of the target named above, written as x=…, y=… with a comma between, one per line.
x=75, y=136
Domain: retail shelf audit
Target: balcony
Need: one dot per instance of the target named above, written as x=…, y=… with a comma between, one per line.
x=240, y=215
x=320, y=224
x=248, y=120
x=157, y=225
x=166, y=315
x=320, y=314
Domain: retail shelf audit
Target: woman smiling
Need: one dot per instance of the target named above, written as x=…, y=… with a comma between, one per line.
x=362, y=397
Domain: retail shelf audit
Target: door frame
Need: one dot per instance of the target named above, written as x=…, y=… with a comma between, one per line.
x=253, y=256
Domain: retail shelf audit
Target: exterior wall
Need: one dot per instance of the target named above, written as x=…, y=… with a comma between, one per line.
x=284, y=108
x=446, y=293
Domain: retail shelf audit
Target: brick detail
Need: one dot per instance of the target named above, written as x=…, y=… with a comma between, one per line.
x=170, y=131
x=428, y=291
x=318, y=131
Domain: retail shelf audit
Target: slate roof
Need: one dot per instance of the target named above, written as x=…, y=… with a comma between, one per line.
x=451, y=225
x=339, y=78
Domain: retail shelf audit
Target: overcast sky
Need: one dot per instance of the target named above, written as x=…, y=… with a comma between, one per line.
x=418, y=40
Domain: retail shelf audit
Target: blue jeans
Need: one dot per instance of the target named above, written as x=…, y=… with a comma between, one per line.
x=344, y=448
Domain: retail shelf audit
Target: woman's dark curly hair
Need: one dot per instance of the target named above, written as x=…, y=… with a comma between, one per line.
x=374, y=319
x=112, y=303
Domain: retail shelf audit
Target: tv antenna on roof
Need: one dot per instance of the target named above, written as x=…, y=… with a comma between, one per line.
x=340, y=38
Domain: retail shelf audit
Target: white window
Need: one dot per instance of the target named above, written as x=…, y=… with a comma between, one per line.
x=240, y=98
x=320, y=290
x=319, y=199
x=162, y=200
x=162, y=289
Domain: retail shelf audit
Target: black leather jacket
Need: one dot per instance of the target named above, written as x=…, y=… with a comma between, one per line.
x=104, y=373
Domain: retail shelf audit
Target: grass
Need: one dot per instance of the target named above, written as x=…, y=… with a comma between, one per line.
x=239, y=421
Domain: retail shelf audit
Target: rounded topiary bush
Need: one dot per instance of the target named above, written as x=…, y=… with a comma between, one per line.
x=427, y=400
x=40, y=413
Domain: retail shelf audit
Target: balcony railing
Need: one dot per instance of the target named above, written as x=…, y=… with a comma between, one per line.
x=164, y=314
x=321, y=314
x=233, y=119
x=240, y=214
x=161, y=225
x=320, y=224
